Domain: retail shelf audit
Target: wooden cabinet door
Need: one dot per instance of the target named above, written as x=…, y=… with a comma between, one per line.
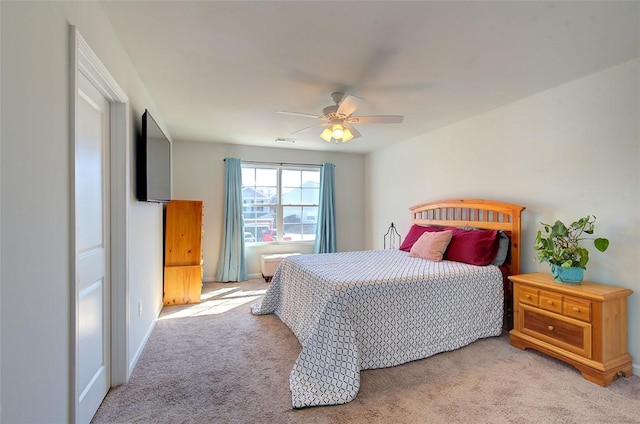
x=183, y=233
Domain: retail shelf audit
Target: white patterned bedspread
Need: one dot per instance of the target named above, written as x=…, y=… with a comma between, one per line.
x=353, y=311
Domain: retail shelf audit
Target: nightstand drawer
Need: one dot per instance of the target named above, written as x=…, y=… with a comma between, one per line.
x=577, y=308
x=528, y=295
x=551, y=301
x=567, y=333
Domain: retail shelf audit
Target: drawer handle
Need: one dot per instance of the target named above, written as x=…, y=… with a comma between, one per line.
x=528, y=296
x=550, y=302
x=576, y=309
x=550, y=328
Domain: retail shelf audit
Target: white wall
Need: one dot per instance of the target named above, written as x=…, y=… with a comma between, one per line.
x=198, y=174
x=35, y=372
x=564, y=153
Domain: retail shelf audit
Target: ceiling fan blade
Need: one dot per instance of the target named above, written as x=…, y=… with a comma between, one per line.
x=348, y=105
x=321, y=124
x=305, y=115
x=376, y=119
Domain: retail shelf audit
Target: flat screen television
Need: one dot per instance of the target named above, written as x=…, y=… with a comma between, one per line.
x=153, y=163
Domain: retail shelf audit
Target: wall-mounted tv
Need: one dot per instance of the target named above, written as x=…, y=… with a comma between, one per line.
x=153, y=163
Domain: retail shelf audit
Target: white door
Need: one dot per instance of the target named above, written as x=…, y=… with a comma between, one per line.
x=92, y=232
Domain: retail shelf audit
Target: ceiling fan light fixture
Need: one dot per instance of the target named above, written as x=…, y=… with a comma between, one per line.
x=338, y=119
x=346, y=135
x=337, y=131
x=327, y=135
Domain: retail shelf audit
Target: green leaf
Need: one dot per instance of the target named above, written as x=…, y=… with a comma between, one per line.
x=584, y=257
x=559, y=229
x=581, y=222
x=538, y=243
x=601, y=244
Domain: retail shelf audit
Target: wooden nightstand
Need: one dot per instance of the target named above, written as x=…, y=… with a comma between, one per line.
x=583, y=325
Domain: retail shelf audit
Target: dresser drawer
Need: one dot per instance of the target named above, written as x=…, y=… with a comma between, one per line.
x=528, y=295
x=564, y=332
x=577, y=308
x=551, y=301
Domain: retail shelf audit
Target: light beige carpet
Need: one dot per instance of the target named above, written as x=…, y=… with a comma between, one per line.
x=214, y=362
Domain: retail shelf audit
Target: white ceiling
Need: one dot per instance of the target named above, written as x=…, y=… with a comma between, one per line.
x=219, y=71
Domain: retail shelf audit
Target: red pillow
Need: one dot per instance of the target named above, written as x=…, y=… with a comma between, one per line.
x=414, y=234
x=475, y=247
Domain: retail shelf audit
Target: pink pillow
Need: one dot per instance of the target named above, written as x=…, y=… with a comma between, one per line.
x=414, y=234
x=431, y=245
x=475, y=247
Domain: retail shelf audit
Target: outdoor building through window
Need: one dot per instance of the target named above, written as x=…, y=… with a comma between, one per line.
x=280, y=202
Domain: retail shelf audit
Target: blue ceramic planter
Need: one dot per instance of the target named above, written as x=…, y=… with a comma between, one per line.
x=573, y=275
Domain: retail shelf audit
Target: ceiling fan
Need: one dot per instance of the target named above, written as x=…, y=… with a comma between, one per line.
x=338, y=119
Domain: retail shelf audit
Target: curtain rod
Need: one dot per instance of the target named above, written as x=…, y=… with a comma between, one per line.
x=277, y=163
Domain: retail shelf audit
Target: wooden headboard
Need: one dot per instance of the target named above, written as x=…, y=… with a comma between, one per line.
x=477, y=213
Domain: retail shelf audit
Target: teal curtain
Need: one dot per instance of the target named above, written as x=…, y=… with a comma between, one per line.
x=232, y=264
x=326, y=229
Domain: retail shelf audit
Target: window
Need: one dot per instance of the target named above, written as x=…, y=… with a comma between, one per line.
x=280, y=203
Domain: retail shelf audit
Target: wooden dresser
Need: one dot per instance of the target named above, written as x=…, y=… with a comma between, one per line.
x=182, y=252
x=584, y=325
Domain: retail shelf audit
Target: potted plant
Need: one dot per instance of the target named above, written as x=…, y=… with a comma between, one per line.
x=559, y=245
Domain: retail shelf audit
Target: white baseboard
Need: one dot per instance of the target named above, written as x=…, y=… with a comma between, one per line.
x=145, y=339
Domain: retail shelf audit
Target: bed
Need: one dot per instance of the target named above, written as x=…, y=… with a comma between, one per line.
x=353, y=311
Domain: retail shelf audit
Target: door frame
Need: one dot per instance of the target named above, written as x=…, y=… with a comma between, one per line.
x=82, y=59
